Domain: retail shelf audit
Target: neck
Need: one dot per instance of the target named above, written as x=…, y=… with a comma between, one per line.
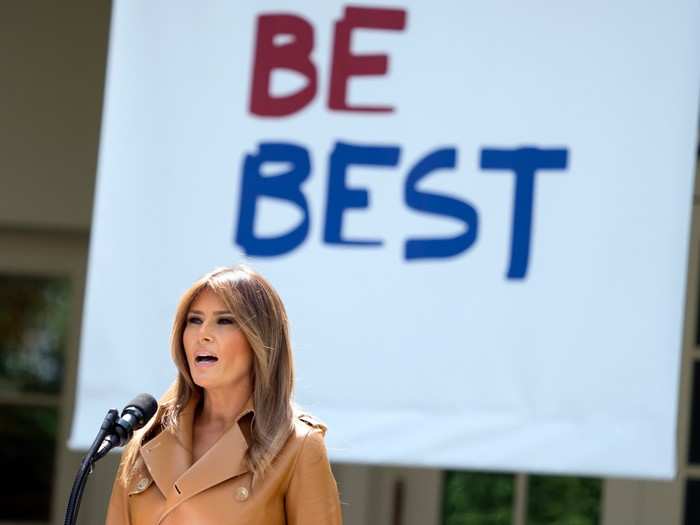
x=221, y=406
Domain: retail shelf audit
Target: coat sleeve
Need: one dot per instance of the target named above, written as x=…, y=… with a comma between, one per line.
x=312, y=496
x=118, y=507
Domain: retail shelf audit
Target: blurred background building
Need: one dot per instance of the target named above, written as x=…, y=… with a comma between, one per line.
x=53, y=58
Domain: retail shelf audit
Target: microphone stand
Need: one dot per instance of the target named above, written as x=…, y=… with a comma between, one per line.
x=94, y=454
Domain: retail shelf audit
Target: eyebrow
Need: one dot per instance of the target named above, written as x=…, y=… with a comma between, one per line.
x=218, y=312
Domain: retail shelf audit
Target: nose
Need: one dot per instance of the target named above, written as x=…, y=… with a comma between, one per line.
x=204, y=335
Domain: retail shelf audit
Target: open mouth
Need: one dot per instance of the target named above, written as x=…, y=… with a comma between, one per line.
x=205, y=359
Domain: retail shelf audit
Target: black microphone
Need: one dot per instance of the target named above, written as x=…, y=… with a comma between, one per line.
x=134, y=416
x=113, y=433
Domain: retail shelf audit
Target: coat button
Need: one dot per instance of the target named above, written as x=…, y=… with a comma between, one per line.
x=142, y=484
x=241, y=493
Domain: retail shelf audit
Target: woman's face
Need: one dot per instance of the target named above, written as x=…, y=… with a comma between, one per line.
x=218, y=353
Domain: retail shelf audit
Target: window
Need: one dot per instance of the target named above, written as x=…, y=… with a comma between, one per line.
x=563, y=499
x=34, y=317
x=476, y=498
x=473, y=498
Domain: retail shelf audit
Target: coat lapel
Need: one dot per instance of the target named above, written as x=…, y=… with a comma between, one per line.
x=224, y=460
x=168, y=457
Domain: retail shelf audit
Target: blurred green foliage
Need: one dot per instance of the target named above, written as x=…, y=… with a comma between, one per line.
x=34, y=314
x=563, y=500
x=476, y=498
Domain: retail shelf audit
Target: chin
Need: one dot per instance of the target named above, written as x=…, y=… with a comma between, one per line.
x=203, y=383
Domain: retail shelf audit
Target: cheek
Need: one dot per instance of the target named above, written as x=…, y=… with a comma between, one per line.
x=248, y=352
x=239, y=348
x=250, y=358
x=188, y=340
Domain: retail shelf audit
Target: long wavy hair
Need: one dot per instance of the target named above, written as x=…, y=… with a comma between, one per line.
x=261, y=316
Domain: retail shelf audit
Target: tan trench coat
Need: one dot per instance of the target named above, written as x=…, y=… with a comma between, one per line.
x=299, y=488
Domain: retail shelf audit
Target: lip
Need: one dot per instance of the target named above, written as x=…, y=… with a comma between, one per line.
x=205, y=364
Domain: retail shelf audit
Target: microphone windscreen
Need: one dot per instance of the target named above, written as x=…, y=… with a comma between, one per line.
x=146, y=403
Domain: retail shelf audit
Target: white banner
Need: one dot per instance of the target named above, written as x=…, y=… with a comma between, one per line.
x=477, y=215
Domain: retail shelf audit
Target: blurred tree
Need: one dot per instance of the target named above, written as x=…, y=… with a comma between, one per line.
x=475, y=498
x=33, y=325
x=563, y=500
x=34, y=313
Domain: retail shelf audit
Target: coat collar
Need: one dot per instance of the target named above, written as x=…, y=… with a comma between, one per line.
x=168, y=457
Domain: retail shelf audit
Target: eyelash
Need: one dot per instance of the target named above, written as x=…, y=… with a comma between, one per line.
x=222, y=320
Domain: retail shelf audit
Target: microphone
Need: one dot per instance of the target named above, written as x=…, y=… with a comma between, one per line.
x=113, y=433
x=134, y=416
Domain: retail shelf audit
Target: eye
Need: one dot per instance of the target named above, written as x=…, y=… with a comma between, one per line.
x=194, y=320
x=226, y=320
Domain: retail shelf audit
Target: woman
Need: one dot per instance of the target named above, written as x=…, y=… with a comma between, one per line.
x=226, y=446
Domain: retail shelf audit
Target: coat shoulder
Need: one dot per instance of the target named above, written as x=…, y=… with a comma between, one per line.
x=304, y=423
x=309, y=443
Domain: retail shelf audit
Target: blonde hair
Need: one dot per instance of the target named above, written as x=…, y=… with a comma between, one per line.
x=261, y=316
